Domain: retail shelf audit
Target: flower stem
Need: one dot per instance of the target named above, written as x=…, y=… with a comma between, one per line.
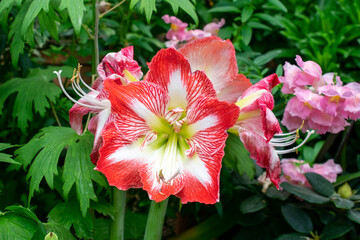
x=117, y=224
x=55, y=115
x=155, y=222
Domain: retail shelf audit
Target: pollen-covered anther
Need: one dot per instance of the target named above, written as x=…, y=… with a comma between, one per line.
x=174, y=114
x=149, y=138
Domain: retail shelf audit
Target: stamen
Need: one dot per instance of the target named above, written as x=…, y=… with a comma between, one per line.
x=87, y=86
x=58, y=74
x=174, y=114
x=149, y=138
x=309, y=133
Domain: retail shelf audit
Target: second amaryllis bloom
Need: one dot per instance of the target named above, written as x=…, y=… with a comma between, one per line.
x=168, y=133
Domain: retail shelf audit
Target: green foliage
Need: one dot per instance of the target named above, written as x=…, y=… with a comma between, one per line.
x=304, y=193
x=43, y=153
x=33, y=94
x=320, y=184
x=297, y=218
x=6, y=157
x=237, y=157
x=253, y=204
x=76, y=10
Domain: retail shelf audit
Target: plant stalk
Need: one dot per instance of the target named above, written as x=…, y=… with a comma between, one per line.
x=117, y=224
x=155, y=221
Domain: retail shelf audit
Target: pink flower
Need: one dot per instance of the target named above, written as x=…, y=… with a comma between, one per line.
x=168, y=132
x=177, y=30
x=320, y=101
x=294, y=170
x=118, y=67
x=214, y=27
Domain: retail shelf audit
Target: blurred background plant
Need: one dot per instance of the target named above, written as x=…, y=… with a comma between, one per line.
x=38, y=37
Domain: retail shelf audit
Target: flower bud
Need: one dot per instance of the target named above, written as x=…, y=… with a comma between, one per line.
x=345, y=191
x=51, y=236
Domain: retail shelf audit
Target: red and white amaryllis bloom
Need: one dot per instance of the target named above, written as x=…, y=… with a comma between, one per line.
x=217, y=59
x=257, y=125
x=168, y=133
x=118, y=67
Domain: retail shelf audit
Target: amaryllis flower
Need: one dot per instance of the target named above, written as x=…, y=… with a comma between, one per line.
x=294, y=170
x=217, y=59
x=257, y=124
x=118, y=67
x=168, y=133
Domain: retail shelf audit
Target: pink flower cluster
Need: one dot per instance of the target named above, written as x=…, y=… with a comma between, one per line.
x=294, y=170
x=178, y=32
x=321, y=101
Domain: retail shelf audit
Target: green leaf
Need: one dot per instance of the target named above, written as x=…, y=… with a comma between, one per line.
x=149, y=7
x=34, y=91
x=246, y=13
x=354, y=216
x=225, y=9
x=15, y=227
x=258, y=25
x=47, y=21
x=67, y=215
x=346, y=178
x=246, y=32
x=291, y=236
x=34, y=9
x=237, y=157
x=59, y=230
x=297, y=218
x=133, y=3
x=253, y=204
x=320, y=184
x=276, y=4
x=341, y=202
x=6, y=157
x=305, y=193
x=187, y=6
x=135, y=224
x=335, y=230
x=267, y=57
x=44, y=152
x=76, y=10
x=6, y=4
x=78, y=169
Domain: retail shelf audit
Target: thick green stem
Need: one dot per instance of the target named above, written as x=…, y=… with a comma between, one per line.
x=155, y=222
x=117, y=224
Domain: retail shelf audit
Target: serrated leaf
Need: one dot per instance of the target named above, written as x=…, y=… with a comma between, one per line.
x=43, y=153
x=15, y=227
x=47, y=22
x=246, y=13
x=104, y=208
x=34, y=9
x=185, y=5
x=33, y=94
x=297, y=218
x=69, y=214
x=252, y=204
x=225, y=9
x=237, y=157
x=78, y=169
x=305, y=193
x=6, y=157
x=133, y=3
x=320, y=184
x=148, y=6
x=342, y=203
x=354, y=216
x=76, y=10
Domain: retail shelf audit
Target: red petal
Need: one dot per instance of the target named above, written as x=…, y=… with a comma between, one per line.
x=263, y=153
x=201, y=177
x=217, y=58
x=122, y=173
x=172, y=72
x=209, y=120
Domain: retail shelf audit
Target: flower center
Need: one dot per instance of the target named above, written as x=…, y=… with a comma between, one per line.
x=335, y=99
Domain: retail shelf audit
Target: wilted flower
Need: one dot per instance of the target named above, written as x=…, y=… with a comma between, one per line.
x=294, y=170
